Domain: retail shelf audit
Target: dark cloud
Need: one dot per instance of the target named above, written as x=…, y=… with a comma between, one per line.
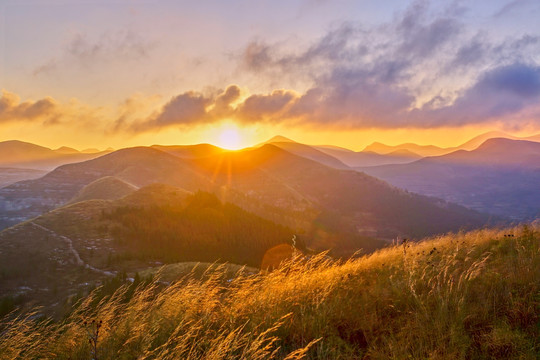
x=471, y=53
x=270, y=107
x=185, y=109
x=389, y=52
x=354, y=99
x=503, y=91
x=350, y=98
x=517, y=80
x=373, y=77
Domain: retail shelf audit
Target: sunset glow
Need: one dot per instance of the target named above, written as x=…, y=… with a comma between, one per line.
x=127, y=73
x=230, y=139
x=264, y=180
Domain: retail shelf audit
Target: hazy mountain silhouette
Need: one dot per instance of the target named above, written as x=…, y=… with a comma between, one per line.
x=430, y=150
x=341, y=158
x=501, y=177
x=190, y=151
x=328, y=201
x=345, y=200
x=308, y=152
x=370, y=158
x=19, y=154
x=138, y=166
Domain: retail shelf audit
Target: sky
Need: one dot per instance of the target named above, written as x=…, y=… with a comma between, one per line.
x=100, y=73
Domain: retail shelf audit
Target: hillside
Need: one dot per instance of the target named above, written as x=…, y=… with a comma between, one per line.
x=105, y=188
x=190, y=151
x=137, y=166
x=466, y=296
x=499, y=177
x=267, y=181
x=50, y=258
x=309, y=152
x=346, y=201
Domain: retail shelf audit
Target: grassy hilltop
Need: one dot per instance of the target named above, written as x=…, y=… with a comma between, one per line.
x=463, y=296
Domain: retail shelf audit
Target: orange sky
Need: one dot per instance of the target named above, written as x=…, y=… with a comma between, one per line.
x=126, y=73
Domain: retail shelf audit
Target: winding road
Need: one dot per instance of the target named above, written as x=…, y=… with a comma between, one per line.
x=76, y=255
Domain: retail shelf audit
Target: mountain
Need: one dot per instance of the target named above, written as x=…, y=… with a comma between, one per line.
x=308, y=152
x=81, y=244
x=91, y=151
x=66, y=150
x=502, y=152
x=341, y=201
x=480, y=139
x=340, y=209
x=276, y=139
x=422, y=150
x=190, y=151
x=430, y=150
x=500, y=177
x=341, y=158
x=370, y=158
x=19, y=154
x=137, y=166
x=533, y=138
x=105, y=188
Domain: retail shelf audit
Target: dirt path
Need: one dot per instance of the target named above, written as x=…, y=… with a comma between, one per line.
x=76, y=255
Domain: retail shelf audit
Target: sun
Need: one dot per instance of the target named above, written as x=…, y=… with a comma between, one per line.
x=230, y=139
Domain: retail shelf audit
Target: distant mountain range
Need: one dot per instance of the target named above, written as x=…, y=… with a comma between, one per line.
x=19, y=154
x=430, y=150
x=292, y=183
x=319, y=200
x=501, y=176
x=378, y=154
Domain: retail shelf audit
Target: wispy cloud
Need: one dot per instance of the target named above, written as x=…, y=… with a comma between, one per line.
x=82, y=50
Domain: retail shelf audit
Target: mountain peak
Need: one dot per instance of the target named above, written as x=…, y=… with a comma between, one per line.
x=279, y=138
x=66, y=150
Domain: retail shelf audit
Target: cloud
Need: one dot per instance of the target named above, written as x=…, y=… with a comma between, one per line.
x=83, y=50
x=48, y=112
x=502, y=92
x=185, y=109
x=223, y=103
x=349, y=98
x=12, y=109
x=424, y=68
x=266, y=107
x=513, y=6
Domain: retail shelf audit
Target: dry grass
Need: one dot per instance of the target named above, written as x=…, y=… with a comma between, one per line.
x=464, y=296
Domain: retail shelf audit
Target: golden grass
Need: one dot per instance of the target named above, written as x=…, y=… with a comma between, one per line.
x=461, y=296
